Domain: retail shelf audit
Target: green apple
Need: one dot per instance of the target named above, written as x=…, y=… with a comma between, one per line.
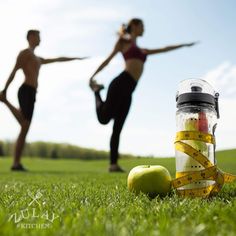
x=191, y=124
x=152, y=180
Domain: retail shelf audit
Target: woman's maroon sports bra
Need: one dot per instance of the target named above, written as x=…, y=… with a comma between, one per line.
x=134, y=52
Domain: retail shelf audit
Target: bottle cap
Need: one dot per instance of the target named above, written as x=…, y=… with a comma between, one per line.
x=196, y=92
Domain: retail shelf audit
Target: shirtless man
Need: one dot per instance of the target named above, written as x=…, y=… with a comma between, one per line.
x=30, y=64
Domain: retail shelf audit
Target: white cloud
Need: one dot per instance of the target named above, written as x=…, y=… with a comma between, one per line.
x=223, y=79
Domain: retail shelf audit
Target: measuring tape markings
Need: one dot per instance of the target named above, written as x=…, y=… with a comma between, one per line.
x=211, y=172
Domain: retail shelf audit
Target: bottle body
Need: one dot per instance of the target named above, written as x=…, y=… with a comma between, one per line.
x=198, y=118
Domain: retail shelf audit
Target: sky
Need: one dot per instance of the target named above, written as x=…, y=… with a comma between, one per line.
x=65, y=108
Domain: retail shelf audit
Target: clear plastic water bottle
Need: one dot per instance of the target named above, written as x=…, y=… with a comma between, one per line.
x=197, y=110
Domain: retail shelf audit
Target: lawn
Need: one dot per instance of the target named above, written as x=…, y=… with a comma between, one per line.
x=70, y=197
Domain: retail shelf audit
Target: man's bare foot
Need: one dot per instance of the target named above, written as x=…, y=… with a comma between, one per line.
x=95, y=86
x=18, y=167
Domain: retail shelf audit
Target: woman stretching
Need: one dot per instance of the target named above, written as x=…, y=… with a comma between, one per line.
x=120, y=90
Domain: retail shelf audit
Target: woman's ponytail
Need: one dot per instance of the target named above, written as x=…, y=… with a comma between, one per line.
x=123, y=31
x=126, y=29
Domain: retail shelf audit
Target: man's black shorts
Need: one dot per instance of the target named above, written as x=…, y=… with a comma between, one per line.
x=26, y=97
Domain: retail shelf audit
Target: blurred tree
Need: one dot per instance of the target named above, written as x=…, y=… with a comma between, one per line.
x=1, y=149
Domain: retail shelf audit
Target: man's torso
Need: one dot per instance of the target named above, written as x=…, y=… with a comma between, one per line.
x=30, y=64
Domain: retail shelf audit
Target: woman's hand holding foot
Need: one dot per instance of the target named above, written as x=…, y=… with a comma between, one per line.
x=95, y=86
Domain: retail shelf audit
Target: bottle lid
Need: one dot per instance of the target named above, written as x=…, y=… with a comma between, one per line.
x=196, y=92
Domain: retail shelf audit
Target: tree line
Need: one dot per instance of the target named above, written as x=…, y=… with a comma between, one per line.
x=56, y=151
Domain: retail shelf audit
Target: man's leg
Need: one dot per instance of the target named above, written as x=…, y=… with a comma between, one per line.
x=16, y=112
x=26, y=96
x=20, y=143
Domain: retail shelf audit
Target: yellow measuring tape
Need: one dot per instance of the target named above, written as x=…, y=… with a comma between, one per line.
x=211, y=172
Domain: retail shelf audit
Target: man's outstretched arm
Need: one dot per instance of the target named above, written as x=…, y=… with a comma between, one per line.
x=61, y=59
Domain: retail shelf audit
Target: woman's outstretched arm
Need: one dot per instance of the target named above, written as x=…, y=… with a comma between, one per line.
x=115, y=50
x=168, y=48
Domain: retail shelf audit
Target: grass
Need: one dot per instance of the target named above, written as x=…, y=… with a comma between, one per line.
x=89, y=201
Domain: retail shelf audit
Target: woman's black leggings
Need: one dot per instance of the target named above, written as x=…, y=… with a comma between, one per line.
x=116, y=107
